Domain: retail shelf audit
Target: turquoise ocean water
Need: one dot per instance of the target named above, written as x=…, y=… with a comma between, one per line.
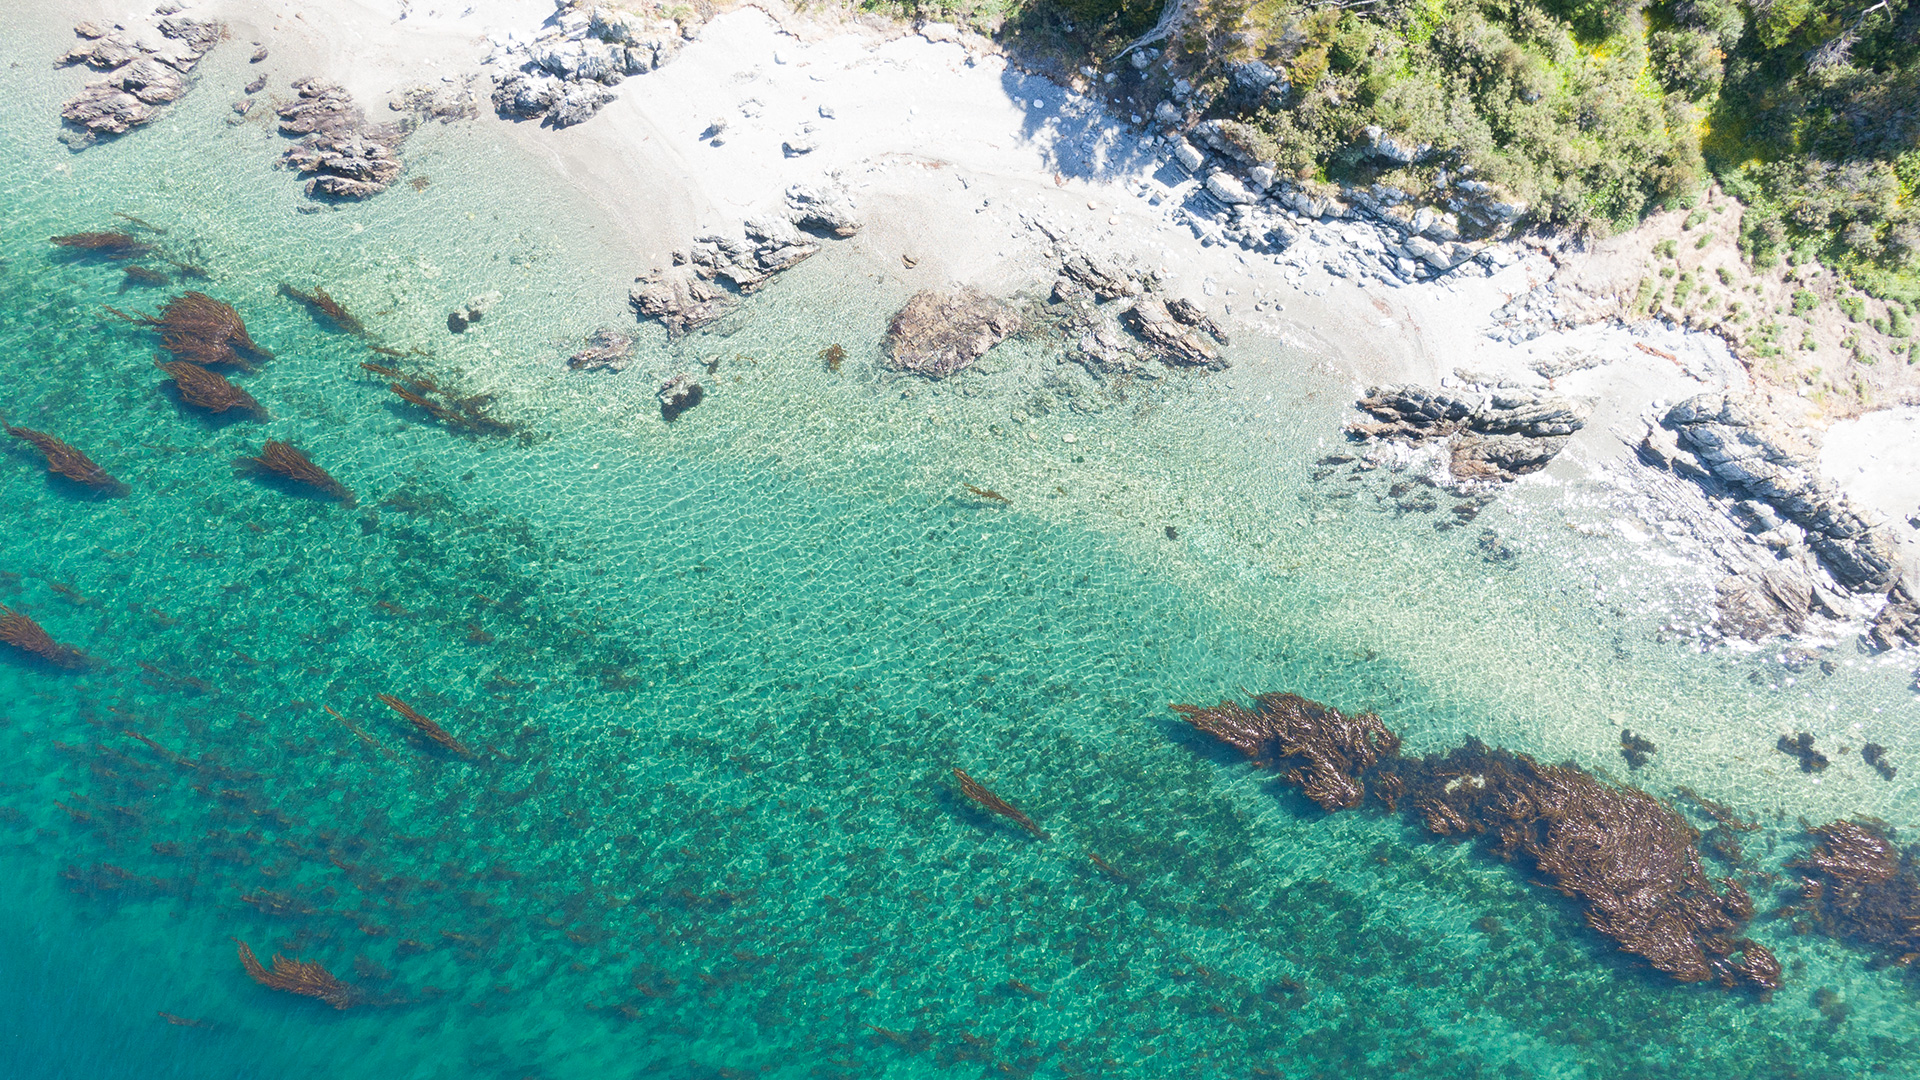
x=721, y=669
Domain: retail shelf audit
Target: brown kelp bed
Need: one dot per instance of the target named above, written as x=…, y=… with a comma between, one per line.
x=1629, y=859
x=26, y=635
x=65, y=460
x=199, y=329
x=209, y=390
x=113, y=245
x=289, y=461
x=303, y=977
x=325, y=308
x=1859, y=885
x=457, y=411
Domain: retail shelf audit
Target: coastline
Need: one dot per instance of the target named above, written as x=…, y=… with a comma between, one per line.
x=966, y=171
x=719, y=665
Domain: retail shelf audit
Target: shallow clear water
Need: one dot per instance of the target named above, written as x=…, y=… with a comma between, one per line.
x=721, y=671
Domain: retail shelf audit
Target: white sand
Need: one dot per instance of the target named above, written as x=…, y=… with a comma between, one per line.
x=1875, y=459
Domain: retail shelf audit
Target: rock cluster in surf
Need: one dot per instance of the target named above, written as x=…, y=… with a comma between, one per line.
x=1630, y=860
x=1496, y=435
x=147, y=67
x=708, y=278
x=1769, y=481
x=567, y=71
x=344, y=156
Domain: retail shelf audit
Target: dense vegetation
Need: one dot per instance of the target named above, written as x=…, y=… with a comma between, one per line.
x=1591, y=111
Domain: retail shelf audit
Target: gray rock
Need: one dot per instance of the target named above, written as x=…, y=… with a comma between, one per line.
x=1497, y=436
x=1252, y=75
x=1400, y=151
x=1098, y=276
x=1898, y=622
x=1227, y=189
x=104, y=109
x=1189, y=156
x=141, y=76
x=526, y=95
x=605, y=348
x=822, y=208
x=1171, y=340
x=707, y=278
x=1751, y=459
x=939, y=332
x=578, y=103
x=680, y=299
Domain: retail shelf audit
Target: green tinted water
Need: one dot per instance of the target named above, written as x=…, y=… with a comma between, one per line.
x=721, y=669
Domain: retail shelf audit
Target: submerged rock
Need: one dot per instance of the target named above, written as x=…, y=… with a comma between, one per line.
x=677, y=395
x=1630, y=860
x=471, y=310
x=606, y=348
x=941, y=331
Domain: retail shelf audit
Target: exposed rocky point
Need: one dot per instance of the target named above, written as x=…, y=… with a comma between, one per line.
x=1496, y=435
x=707, y=280
x=1117, y=318
x=344, y=156
x=566, y=72
x=941, y=331
x=147, y=67
x=1810, y=543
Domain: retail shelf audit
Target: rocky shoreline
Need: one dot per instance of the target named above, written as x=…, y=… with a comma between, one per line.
x=149, y=63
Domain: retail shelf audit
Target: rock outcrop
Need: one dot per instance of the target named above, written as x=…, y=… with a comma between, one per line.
x=1804, y=546
x=1726, y=443
x=1116, y=319
x=147, y=67
x=344, y=156
x=707, y=279
x=567, y=71
x=941, y=331
x=1492, y=436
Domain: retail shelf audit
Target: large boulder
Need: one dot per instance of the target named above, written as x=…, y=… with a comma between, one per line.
x=941, y=331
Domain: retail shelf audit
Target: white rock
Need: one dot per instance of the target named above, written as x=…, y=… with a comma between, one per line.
x=1261, y=176
x=1229, y=190
x=1189, y=158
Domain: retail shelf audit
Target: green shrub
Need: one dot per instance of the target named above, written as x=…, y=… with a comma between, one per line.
x=1852, y=305
x=1804, y=301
